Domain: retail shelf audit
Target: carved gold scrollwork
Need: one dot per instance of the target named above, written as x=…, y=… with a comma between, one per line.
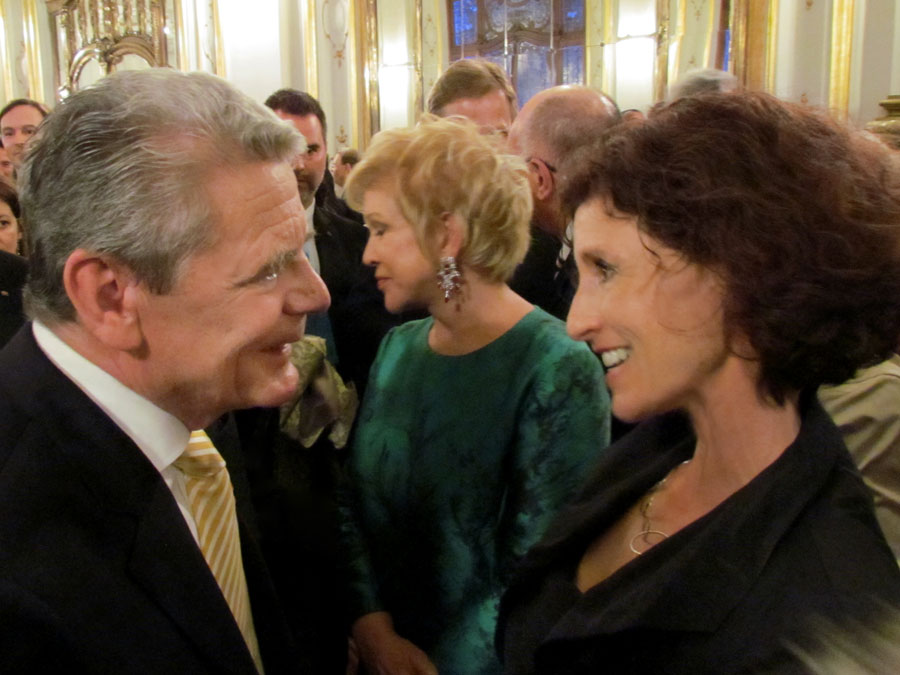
x=106, y=32
x=888, y=127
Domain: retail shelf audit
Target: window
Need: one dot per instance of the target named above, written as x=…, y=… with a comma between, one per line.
x=540, y=43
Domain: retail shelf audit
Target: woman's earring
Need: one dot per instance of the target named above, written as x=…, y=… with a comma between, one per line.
x=449, y=278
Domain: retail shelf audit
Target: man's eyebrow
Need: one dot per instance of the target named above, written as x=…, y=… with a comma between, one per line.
x=312, y=147
x=273, y=265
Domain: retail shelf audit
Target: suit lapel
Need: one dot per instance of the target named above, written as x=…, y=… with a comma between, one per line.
x=164, y=559
x=169, y=566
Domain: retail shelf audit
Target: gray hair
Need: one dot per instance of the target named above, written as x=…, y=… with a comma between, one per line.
x=119, y=169
x=704, y=80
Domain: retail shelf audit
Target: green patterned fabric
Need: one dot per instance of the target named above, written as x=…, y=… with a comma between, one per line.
x=457, y=466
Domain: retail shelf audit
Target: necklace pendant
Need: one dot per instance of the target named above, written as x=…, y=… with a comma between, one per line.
x=648, y=539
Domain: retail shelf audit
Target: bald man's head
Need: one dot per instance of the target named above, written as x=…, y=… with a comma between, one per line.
x=551, y=127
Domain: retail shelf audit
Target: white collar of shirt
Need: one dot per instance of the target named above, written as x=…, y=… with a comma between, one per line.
x=309, y=246
x=565, y=250
x=159, y=435
x=310, y=228
x=338, y=190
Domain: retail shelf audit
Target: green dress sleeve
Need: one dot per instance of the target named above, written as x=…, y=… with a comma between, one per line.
x=563, y=427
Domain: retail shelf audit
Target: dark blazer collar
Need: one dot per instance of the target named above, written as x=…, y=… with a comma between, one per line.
x=692, y=580
x=163, y=557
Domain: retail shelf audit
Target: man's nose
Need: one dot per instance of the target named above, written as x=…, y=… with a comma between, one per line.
x=308, y=294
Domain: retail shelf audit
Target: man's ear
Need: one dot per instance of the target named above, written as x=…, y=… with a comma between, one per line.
x=543, y=183
x=106, y=297
x=452, y=235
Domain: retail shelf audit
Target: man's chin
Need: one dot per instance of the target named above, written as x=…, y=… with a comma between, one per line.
x=278, y=389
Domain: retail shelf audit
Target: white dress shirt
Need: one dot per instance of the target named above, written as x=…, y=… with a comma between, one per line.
x=309, y=246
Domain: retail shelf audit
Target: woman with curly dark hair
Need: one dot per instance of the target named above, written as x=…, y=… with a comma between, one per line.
x=734, y=253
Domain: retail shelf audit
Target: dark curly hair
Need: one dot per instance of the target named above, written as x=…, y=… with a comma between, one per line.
x=799, y=216
x=10, y=196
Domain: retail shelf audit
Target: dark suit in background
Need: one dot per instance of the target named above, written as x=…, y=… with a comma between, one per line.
x=358, y=318
x=13, y=271
x=540, y=279
x=326, y=197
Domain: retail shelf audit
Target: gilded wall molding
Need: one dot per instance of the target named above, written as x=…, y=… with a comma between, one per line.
x=367, y=110
x=33, y=49
x=181, y=42
x=418, y=48
x=771, y=45
x=599, y=33
x=308, y=11
x=7, y=56
x=675, y=30
x=218, y=52
x=754, y=42
x=661, y=70
x=842, y=12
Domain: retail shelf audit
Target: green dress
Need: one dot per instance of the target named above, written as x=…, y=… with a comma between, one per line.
x=457, y=466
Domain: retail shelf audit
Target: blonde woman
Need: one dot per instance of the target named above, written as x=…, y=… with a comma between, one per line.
x=478, y=420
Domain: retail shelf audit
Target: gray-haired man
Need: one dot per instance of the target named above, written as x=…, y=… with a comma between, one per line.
x=167, y=282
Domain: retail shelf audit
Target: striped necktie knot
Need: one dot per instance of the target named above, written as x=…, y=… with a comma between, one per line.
x=200, y=459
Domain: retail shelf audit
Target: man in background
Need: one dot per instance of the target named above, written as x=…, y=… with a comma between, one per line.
x=6, y=167
x=548, y=133
x=478, y=90
x=19, y=121
x=357, y=319
x=341, y=166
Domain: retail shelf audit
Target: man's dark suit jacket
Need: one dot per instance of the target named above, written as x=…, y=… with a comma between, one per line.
x=99, y=572
x=13, y=270
x=358, y=318
x=540, y=280
x=327, y=198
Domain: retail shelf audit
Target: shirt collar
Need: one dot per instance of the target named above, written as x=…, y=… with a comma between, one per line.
x=310, y=228
x=160, y=435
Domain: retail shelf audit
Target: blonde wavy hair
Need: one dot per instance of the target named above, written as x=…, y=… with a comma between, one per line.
x=445, y=166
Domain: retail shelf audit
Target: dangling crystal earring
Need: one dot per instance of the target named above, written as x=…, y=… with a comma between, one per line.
x=449, y=278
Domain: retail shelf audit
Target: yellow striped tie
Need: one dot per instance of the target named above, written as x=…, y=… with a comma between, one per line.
x=211, y=499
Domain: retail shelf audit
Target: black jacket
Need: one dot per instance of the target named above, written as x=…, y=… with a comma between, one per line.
x=358, y=318
x=99, y=572
x=723, y=595
x=13, y=270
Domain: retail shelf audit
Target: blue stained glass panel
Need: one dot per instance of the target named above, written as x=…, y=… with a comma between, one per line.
x=726, y=58
x=573, y=15
x=573, y=65
x=496, y=56
x=465, y=22
x=533, y=72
